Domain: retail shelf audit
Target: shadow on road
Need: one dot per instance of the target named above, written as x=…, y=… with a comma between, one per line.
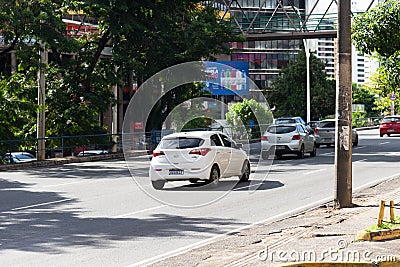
x=53, y=228
x=227, y=185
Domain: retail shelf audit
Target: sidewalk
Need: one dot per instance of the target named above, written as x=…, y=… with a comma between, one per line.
x=322, y=234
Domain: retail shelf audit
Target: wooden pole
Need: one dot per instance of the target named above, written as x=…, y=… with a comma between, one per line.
x=391, y=210
x=381, y=213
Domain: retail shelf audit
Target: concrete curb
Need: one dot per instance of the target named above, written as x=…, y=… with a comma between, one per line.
x=66, y=160
x=379, y=235
x=347, y=264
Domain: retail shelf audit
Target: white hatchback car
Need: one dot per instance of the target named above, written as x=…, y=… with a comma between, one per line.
x=280, y=139
x=198, y=155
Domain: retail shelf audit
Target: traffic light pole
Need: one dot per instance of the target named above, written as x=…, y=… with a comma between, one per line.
x=343, y=148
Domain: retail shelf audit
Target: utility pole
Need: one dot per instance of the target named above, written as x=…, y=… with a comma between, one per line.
x=307, y=49
x=41, y=129
x=343, y=148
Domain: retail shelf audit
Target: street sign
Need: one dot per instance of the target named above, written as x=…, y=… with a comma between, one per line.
x=393, y=97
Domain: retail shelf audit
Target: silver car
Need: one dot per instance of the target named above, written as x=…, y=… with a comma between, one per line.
x=282, y=139
x=325, y=133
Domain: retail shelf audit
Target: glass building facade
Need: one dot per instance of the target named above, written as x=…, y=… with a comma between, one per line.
x=266, y=58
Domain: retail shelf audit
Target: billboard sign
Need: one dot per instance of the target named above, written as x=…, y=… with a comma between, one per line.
x=227, y=77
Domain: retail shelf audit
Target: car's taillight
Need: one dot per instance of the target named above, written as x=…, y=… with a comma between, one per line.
x=315, y=131
x=158, y=153
x=200, y=151
x=296, y=137
x=264, y=138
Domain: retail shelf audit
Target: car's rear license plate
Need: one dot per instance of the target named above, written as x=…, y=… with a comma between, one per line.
x=280, y=147
x=390, y=130
x=176, y=172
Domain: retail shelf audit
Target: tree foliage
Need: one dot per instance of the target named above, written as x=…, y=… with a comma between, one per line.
x=378, y=29
x=145, y=36
x=377, y=32
x=250, y=114
x=288, y=92
x=366, y=96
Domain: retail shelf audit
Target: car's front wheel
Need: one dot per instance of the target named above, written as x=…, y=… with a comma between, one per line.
x=158, y=185
x=313, y=153
x=245, y=172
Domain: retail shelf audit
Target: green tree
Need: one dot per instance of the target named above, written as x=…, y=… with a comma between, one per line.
x=145, y=36
x=288, y=91
x=250, y=114
x=377, y=33
x=366, y=96
x=378, y=29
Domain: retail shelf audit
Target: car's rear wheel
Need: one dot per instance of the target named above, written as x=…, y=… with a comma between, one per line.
x=158, y=185
x=193, y=180
x=355, y=143
x=214, y=176
x=313, y=153
x=300, y=154
x=381, y=135
x=245, y=172
x=388, y=135
x=265, y=155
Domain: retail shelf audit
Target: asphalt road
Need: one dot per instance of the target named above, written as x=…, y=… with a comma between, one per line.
x=94, y=214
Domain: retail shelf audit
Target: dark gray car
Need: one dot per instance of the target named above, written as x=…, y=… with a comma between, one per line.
x=325, y=133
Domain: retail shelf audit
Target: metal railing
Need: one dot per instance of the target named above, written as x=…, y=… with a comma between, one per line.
x=84, y=145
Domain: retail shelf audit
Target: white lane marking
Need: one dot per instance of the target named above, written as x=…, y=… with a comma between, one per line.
x=139, y=211
x=54, y=185
x=326, y=154
x=361, y=160
x=310, y=172
x=218, y=236
x=265, y=221
x=384, y=143
x=41, y=204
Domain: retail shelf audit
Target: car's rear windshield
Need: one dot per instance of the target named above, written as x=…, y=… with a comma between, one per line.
x=285, y=121
x=181, y=142
x=391, y=119
x=326, y=124
x=281, y=129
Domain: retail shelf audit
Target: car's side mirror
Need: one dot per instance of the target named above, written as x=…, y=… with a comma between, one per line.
x=238, y=145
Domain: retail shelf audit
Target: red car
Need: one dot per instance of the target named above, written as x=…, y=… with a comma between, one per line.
x=390, y=125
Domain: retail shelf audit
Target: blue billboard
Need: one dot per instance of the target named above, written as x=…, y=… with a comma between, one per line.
x=227, y=77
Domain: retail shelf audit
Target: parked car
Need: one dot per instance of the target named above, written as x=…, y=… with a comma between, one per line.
x=92, y=153
x=18, y=157
x=325, y=133
x=281, y=139
x=389, y=125
x=198, y=155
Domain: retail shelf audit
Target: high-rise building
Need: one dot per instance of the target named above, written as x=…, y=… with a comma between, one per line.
x=266, y=58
